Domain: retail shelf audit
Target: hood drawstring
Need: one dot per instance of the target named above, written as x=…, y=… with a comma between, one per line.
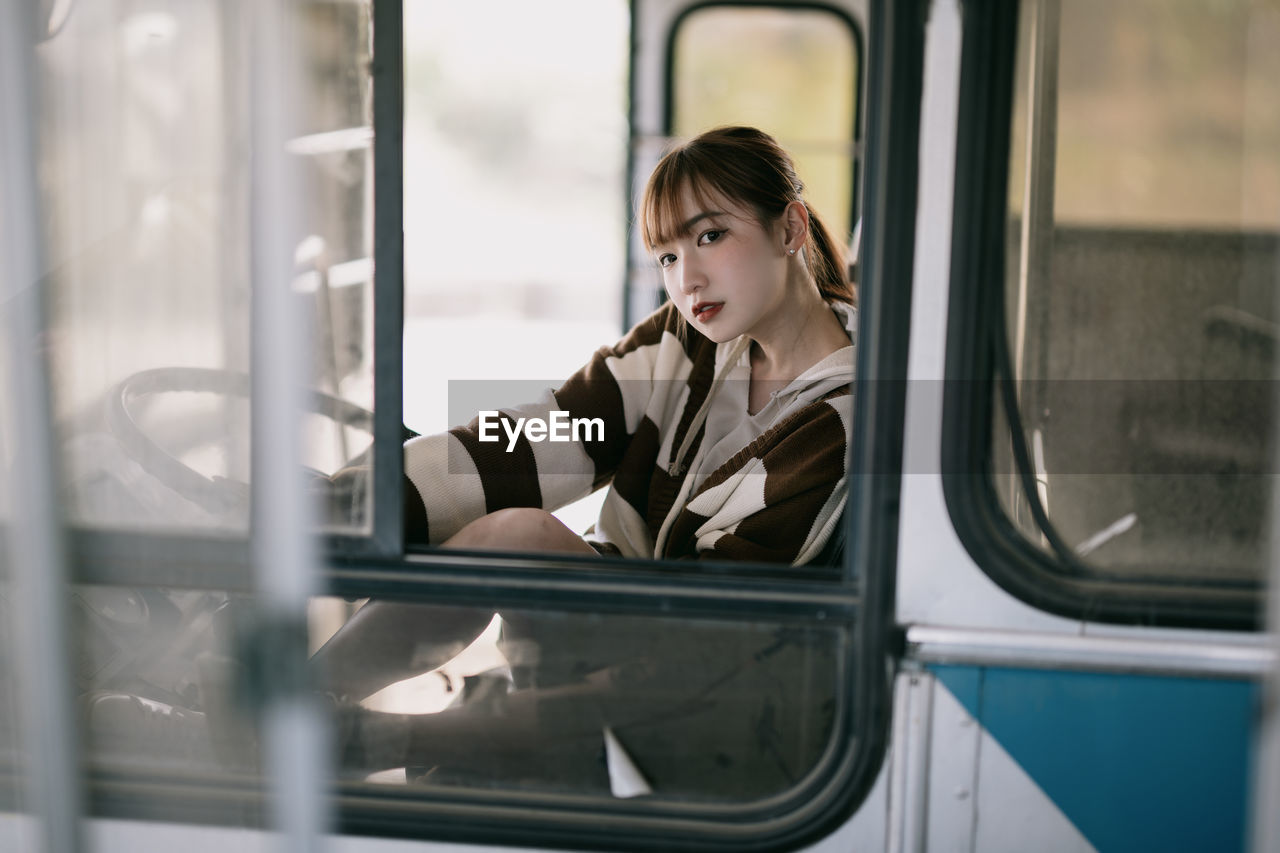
x=677, y=466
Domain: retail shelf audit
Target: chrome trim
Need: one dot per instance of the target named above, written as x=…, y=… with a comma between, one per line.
x=910, y=763
x=930, y=644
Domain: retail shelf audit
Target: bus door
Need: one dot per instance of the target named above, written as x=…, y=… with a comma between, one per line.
x=1091, y=429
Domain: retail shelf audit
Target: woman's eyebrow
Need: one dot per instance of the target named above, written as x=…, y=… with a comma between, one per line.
x=688, y=224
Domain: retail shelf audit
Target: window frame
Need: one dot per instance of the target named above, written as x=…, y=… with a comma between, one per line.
x=222, y=560
x=857, y=142
x=987, y=75
x=859, y=601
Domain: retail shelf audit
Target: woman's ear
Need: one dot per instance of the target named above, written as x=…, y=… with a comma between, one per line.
x=795, y=226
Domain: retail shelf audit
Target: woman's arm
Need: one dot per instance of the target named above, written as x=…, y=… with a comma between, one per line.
x=544, y=454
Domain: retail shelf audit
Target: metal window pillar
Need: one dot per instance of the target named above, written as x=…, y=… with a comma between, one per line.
x=293, y=725
x=38, y=567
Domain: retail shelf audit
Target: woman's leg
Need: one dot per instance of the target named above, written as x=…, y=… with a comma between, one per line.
x=547, y=734
x=387, y=641
x=520, y=529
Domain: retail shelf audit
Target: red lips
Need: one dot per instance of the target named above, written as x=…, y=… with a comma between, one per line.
x=704, y=311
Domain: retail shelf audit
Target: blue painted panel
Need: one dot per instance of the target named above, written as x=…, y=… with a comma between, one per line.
x=1135, y=762
x=964, y=682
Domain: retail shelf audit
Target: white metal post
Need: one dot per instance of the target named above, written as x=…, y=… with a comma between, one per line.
x=38, y=561
x=293, y=730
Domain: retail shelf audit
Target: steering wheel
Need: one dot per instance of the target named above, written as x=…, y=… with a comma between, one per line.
x=219, y=495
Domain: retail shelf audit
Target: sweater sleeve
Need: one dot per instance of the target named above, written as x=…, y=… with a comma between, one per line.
x=546, y=453
x=500, y=459
x=783, y=504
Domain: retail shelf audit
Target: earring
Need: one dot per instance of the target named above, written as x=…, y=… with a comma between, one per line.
x=791, y=251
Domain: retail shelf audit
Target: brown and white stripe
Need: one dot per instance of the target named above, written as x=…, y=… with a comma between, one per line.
x=776, y=500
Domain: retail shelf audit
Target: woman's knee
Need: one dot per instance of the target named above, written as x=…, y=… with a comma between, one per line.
x=519, y=528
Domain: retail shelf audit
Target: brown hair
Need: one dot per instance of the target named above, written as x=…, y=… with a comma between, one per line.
x=749, y=167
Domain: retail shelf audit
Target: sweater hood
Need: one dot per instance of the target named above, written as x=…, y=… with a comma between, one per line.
x=832, y=372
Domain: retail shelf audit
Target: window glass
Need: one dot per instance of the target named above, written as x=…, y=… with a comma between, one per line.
x=161, y=682
x=428, y=698
x=1144, y=248
x=608, y=705
x=145, y=120
x=801, y=86
x=515, y=205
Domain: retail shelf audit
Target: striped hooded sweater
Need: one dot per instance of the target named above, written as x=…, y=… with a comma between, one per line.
x=769, y=487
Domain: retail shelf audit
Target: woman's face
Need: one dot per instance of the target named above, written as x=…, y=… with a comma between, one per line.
x=724, y=270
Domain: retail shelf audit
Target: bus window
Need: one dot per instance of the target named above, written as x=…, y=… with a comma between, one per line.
x=515, y=201
x=802, y=86
x=700, y=714
x=516, y=223
x=1134, y=436
x=731, y=700
x=145, y=119
x=614, y=706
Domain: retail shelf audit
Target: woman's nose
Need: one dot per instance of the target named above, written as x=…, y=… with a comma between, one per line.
x=691, y=277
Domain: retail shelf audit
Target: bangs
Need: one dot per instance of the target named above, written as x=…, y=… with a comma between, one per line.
x=661, y=209
x=716, y=172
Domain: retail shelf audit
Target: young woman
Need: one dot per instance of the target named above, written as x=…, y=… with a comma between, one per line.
x=725, y=420
x=725, y=413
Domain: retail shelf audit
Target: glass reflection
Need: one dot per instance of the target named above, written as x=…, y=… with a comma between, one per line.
x=612, y=705
x=428, y=697
x=158, y=683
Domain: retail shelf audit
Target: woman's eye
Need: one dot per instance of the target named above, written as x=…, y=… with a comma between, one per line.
x=666, y=260
x=709, y=237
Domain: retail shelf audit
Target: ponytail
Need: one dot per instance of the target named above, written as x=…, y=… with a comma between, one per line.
x=826, y=258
